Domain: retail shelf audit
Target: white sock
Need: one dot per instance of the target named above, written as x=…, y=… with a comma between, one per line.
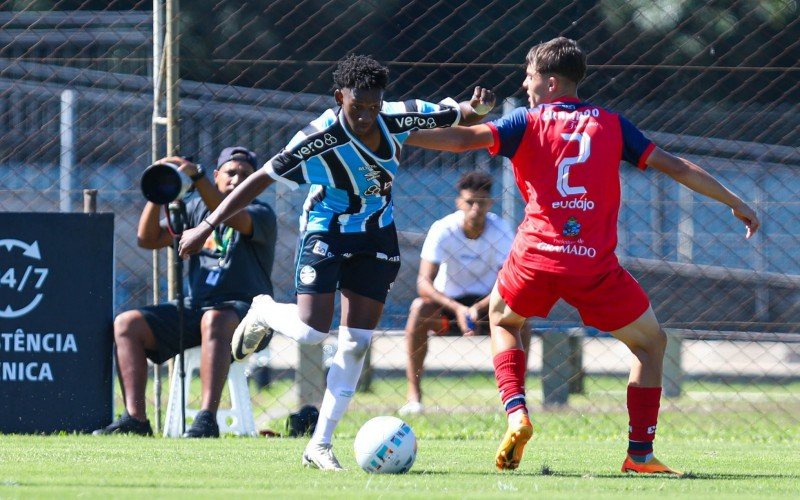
x=284, y=319
x=342, y=380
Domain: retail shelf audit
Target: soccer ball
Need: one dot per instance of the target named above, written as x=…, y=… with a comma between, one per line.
x=385, y=445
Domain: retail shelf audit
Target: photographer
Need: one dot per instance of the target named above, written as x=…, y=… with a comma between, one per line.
x=233, y=266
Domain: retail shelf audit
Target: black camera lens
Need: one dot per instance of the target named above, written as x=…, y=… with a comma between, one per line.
x=163, y=183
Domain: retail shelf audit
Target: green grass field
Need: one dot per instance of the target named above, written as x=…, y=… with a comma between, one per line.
x=731, y=445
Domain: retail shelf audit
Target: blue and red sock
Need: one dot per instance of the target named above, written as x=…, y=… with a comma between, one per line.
x=510, y=368
x=643, y=406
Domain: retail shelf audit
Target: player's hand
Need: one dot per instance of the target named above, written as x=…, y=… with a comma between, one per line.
x=192, y=240
x=466, y=323
x=482, y=101
x=747, y=215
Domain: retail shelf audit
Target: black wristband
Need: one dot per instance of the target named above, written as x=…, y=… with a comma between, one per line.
x=210, y=224
x=199, y=175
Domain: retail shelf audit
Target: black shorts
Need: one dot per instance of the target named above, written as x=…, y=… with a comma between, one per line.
x=364, y=263
x=163, y=321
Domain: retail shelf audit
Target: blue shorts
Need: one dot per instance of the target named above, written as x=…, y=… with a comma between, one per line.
x=364, y=263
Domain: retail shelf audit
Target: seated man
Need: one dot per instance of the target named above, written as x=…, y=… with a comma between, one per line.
x=459, y=262
x=234, y=265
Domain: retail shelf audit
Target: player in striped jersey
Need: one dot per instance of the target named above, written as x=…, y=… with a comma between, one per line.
x=350, y=158
x=566, y=156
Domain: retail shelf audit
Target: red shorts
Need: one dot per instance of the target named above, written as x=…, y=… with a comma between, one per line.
x=607, y=301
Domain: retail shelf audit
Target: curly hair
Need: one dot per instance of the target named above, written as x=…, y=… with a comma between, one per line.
x=360, y=72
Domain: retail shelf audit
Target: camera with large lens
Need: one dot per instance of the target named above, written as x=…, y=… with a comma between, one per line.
x=163, y=183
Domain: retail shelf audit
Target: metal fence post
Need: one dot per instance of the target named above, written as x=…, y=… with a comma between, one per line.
x=309, y=379
x=672, y=379
x=555, y=369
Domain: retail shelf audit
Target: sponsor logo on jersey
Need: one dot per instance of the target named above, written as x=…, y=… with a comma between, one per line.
x=320, y=248
x=383, y=256
x=370, y=172
x=572, y=228
x=378, y=190
x=313, y=147
x=580, y=250
x=308, y=275
x=574, y=204
x=549, y=114
x=415, y=121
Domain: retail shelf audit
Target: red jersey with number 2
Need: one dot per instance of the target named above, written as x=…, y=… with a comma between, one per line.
x=566, y=157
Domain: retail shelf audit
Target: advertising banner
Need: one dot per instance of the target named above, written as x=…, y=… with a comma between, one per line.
x=56, y=314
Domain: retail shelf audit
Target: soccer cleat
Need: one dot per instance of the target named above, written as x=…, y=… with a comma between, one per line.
x=204, y=426
x=321, y=457
x=253, y=333
x=652, y=466
x=411, y=408
x=511, y=448
x=126, y=425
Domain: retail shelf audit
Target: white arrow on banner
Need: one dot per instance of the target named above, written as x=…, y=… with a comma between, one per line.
x=10, y=313
x=31, y=250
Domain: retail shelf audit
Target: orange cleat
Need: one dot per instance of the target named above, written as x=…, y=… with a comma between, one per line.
x=511, y=448
x=653, y=466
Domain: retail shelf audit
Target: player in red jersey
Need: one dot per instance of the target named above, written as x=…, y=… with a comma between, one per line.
x=566, y=157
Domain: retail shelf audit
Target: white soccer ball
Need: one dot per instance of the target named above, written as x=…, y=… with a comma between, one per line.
x=385, y=445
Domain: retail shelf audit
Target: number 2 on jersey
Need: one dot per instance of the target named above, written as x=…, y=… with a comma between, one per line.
x=562, y=182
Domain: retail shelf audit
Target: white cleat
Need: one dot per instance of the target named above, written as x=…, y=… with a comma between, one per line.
x=411, y=408
x=320, y=456
x=253, y=333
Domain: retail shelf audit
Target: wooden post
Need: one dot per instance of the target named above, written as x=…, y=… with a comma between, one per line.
x=89, y=201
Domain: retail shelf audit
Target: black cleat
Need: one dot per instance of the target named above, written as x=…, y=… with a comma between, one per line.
x=126, y=425
x=204, y=426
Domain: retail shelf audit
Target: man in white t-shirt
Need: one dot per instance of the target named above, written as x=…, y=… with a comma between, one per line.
x=459, y=262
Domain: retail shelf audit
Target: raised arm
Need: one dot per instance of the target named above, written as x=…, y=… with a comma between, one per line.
x=700, y=181
x=476, y=109
x=193, y=239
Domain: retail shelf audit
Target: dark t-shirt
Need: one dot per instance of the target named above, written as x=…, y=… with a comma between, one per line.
x=231, y=266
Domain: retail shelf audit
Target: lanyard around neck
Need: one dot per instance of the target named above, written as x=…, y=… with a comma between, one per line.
x=224, y=243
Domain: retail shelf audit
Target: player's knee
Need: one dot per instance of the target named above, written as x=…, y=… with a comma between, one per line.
x=659, y=340
x=354, y=341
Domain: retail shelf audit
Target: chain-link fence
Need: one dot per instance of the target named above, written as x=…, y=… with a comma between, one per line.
x=715, y=82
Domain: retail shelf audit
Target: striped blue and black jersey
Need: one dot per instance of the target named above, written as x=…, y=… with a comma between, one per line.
x=351, y=186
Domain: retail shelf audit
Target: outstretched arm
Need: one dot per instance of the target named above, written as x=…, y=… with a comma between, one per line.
x=193, y=239
x=454, y=139
x=700, y=181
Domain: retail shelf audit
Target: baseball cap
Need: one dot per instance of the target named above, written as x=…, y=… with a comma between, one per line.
x=237, y=153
